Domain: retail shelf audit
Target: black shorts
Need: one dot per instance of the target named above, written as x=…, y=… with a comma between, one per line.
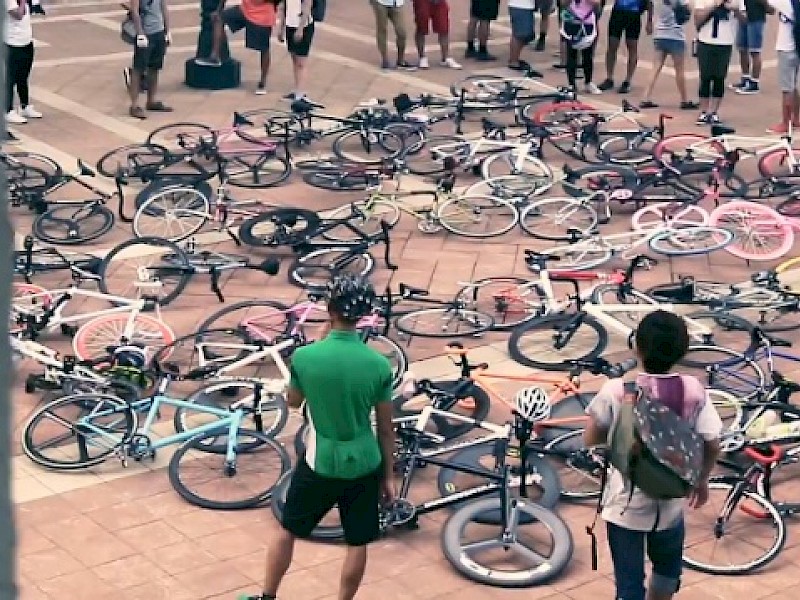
x=256, y=37
x=484, y=10
x=302, y=47
x=627, y=22
x=311, y=496
x=151, y=57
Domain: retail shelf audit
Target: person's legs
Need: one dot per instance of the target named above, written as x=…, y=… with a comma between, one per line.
x=24, y=74
x=358, y=511
x=627, y=553
x=572, y=66
x=440, y=19
x=472, y=29
x=788, y=63
x=744, y=55
x=355, y=563
x=422, y=20
x=616, y=27
x=12, y=68
x=704, y=89
x=721, y=58
x=279, y=558
x=396, y=16
x=661, y=57
x=680, y=78
x=665, y=551
x=141, y=61
x=522, y=33
x=158, y=50
x=587, y=62
x=755, y=42
x=381, y=30
x=633, y=30
x=544, y=7
x=483, y=40
x=299, y=51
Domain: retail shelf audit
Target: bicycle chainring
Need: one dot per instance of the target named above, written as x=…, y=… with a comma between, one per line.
x=140, y=446
x=429, y=224
x=400, y=513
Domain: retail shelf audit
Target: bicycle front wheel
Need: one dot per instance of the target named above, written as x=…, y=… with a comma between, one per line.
x=444, y=322
x=368, y=147
x=513, y=162
x=552, y=342
x=734, y=533
x=691, y=241
x=678, y=215
x=212, y=481
x=477, y=216
x=726, y=370
x=318, y=267
x=175, y=212
x=73, y=224
x=555, y=219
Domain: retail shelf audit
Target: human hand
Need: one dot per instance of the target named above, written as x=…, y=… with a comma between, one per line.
x=699, y=495
x=298, y=35
x=141, y=41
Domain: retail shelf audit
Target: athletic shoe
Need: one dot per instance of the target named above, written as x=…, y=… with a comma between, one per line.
x=385, y=65
x=470, y=52
x=778, y=129
x=406, y=66
x=625, y=88
x=606, y=85
x=483, y=55
x=751, y=87
x=450, y=63
x=423, y=63
x=14, y=117
x=742, y=83
x=30, y=113
x=703, y=119
x=713, y=119
x=591, y=88
x=261, y=89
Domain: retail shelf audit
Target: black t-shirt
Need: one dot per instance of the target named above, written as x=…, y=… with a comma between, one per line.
x=756, y=11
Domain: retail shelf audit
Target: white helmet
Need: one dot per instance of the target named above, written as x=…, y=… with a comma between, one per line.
x=533, y=404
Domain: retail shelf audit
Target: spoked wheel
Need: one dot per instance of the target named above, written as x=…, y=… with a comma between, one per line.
x=551, y=342
x=759, y=233
x=610, y=294
x=135, y=160
x=554, y=218
x=336, y=180
x=371, y=147
x=720, y=328
x=678, y=215
x=30, y=171
x=95, y=337
x=726, y=370
x=140, y=267
x=329, y=528
x=538, y=549
x=283, y=226
x=678, y=147
x=513, y=162
x=175, y=212
x=691, y=241
x=256, y=320
x=585, y=254
x=737, y=531
x=73, y=223
x=780, y=164
x=511, y=301
x=506, y=187
x=444, y=322
x=478, y=217
x=76, y=432
x=393, y=352
x=631, y=149
x=221, y=482
x=579, y=470
x=587, y=181
x=429, y=160
x=317, y=268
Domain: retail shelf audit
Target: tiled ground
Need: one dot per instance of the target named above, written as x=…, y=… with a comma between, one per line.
x=124, y=533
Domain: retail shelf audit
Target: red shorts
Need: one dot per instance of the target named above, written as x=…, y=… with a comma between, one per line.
x=432, y=12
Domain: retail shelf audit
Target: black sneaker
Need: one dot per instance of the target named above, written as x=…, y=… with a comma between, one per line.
x=737, y=86
x=750, y=87
x=606, y=85
x=470, y=52
x=539, y=47
x=483, y=55
x=703, y=119
x=625, y=88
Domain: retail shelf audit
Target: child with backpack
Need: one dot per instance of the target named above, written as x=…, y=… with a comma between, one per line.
x=648, y=483
x=579, y=33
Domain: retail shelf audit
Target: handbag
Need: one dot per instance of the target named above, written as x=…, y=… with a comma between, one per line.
x=127, y=30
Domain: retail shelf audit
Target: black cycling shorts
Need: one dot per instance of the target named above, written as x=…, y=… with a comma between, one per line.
x=484, y=10
x=624, y=22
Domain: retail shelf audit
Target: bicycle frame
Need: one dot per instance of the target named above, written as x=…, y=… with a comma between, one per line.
x=485, y=145
x=730, y=142
x=254, y=353
x=55, y=370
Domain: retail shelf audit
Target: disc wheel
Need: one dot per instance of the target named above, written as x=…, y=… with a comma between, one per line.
x=551, y=342
x=73, y=224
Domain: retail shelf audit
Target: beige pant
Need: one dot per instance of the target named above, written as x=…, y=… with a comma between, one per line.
x=384, y=14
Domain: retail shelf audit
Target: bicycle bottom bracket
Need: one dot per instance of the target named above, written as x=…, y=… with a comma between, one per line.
x=401, y=512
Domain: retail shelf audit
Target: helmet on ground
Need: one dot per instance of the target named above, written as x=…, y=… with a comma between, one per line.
x=351, y=296
x=130, y=356
x=533, y=404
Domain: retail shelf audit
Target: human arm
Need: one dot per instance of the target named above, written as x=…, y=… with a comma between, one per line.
x=709, y=427
x=704, y=10
x=649, y=12
x=16, y=10
x=600, y=414
x=385, y=429
x=165, y=14
x=280, y=21
x=294, y=397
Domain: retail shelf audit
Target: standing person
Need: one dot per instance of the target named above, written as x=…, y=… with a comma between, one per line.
x=296, y=27
x=391, y=11
x=749, y=42
x=342, y=381
x=523, y=31
x=482, y=13
x=669, y=39
x=151, y=20
x=544, y=8
x=636, y=523
x=579, y=32
x=19, y=57
x=433, y=14
x=257, y=18
x=716, y=31
x=626, y=19
x=788, y=49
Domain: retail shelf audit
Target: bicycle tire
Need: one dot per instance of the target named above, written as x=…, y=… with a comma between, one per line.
x=505, y=163
x=368, y=219
x=397, y=357
x=502, y=303
x=543, y=487
x=780, y=317
x=300, y=222
x=158, y=185
x=336, y=180
x=132, y=159
x=502, y=216
x=389, y=142
x=265, y=445
x=73, y=224
x=430, y=161
x=551, y=568
x=124, y=429
x=322, y=532
x=681, y=242
x=748, y=219
x=180, y=137
x=629, y=156
x=505, y=187
x=318, y=267
x=459, y=87
x=729, y=371
x=149, y=332
x=270, y=423
x=31, y=171
x=580, y=256
x=726, y=485
x=565, y=458
x=666, y=150
x=551, y=324
x=656, y=214
x=165, y=294
x=268, y=124
x=561, y=212
x=477, y=323
x=587, y=181
x=771, y=164
x=276, y=323
x=250, y=173
x=179, y=208
x=789, y=208
x=555, y=113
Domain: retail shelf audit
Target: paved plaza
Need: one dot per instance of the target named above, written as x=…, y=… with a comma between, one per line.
x=124, y=533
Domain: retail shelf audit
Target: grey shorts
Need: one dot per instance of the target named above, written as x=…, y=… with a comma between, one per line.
x=522, y=24
x=256, y=37
x=788, y=66
x=669, y=46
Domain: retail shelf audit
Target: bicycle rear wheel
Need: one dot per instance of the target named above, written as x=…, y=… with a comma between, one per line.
x=210, y=481
x=581, y=256
x=182, y=137
x=370, y=147
x=368, y=219
x=318, y=267
x=175, y=212
x=511, y=301
x=724, y=369
x=429, y=160
x=31, y=171
x=553, y=218
x=691, y=241
x=283, y=226
x=256, y=169
x=477, y=216
x=759, y=232
x=72, y=224
x=551, y=342
x=336, y=180
x=513, y=162
x=678, y=215
x=256, y=320
x=444, y=322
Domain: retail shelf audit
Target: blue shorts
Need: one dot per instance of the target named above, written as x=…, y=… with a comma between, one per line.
x=669, y=47
x=750, y=36
x=522, y=24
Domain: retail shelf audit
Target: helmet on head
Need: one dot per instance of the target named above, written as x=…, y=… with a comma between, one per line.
x=533, y=404
x=351, y=296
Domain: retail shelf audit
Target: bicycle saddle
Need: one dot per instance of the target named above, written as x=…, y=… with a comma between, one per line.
x=718, y=130
x=403, y=103
x=304, y=105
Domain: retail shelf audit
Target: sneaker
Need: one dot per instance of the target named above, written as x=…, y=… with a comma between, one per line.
x=702, y=119
x=483, y=55
x=751, y=87
x=539, y=47
x=470, y=52
x=207, y=61
x=606, y=85
x=450, y=63
x=14, y=117
x=423, y=63
x=591, y=88
x=261, y=89
x=742, y=83
x=625, y=88
x=713, y=119
x=30, y=113
x=406, y=66
x=9, y=139
x=779, y=129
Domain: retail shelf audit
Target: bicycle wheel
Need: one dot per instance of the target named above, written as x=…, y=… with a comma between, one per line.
x=318, y=267
x=370, y=147
x=336, y=180
x=511, y=301
x=31, y=171
x=788, y=273
x=719, y=328
x=328, y=529
x=78, y=431
x=512, y=162
x=579, y=471
x=581, y=256
x=72, y=224
x=691, y=241
x=255, y=320
x=506, y=187
x=283, y=226
x=444, y=322
x=550, y=342
x=556, y=113
x=726, y=370
x=477, y=216
x=631, y=149
x=139, y=267
x=429, y=160
x=541, y=480
x=177, y=211
x=554, y=218
x=480, y=88
x=778, y=164
x=393, y=352
x=256, y=169
x=543, y=545
x=368, y=219
x=759, y=233
x=95, y=337
x=655, y=215
x=134, y=160
x=702, y=148
x=782, y=315
x=270, y=419
x=183, y=137
x=723, y=538
x=211, y=481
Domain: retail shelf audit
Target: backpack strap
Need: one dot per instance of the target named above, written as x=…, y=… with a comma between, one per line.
x=632, y=392
x=590, y=529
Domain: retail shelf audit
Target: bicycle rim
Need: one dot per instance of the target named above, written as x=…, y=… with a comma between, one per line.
x=509, y=300
x=513, y=162
x=691, y=241
x=256, y=320
x=619, y=149
x=371, y=147
x=553, y=218
x=549, y=343
x=70, y=225
x=506, y=187
x=677, y=215
x=392, y=351
x=336, y=180
x=174, y=214
x=317, y=268
x=182, y=137
x=368, y=220
x=134, y=160
x=759, y=233
x=580, y=256
x=95, y=337
x=580, y=478
x=720, y=328
x=444, y=323
x=477, y=216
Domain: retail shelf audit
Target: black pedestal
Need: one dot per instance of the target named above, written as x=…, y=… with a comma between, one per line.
x=226, y=76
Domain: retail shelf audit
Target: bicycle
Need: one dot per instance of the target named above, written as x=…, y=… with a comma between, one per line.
x=31, y=261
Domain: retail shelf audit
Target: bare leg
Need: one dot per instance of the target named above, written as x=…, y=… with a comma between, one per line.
x=299, y=69
x=611, y=57
x=483, y=34
x=796, y=109
x=444, y=45
x=279, y=558
x=355, y=563
x=744, y=62
x=660, y=58
x=133, y=90
x=755, y=65
x=633, y=58
x=680, y=76
x=472, y=31
x=152, y=86
x=265, y=59
x=514, y=51
x=419, y=39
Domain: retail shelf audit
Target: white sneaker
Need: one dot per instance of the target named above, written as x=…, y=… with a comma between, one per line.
x=423, y=63
x=30, y=113
x=14, y=117
x=591, y=88
x=450, y=63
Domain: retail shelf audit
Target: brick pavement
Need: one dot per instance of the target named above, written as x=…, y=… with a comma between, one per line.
x=125, y=533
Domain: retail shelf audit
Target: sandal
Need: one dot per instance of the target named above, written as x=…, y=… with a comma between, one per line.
x=137, y=113
x=689, y=106
x=159, y=107
x=519, y=66
x=647, y=104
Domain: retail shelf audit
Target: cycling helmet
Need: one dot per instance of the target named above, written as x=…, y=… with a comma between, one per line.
x=351, y=296
x=130, y=356
x=533, y=404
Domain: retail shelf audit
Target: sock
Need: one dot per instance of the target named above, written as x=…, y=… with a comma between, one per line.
x=542, y=36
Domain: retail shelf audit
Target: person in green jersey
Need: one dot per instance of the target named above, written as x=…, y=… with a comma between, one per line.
x=341, y=380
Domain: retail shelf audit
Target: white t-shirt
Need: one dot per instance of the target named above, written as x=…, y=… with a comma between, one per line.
x=294, y=10
x=391, y=3
x=726, y=29
x=18, y=32
x=526, y=4
x=784, y=40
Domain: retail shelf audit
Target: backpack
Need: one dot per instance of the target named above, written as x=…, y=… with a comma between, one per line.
x=653, y=447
